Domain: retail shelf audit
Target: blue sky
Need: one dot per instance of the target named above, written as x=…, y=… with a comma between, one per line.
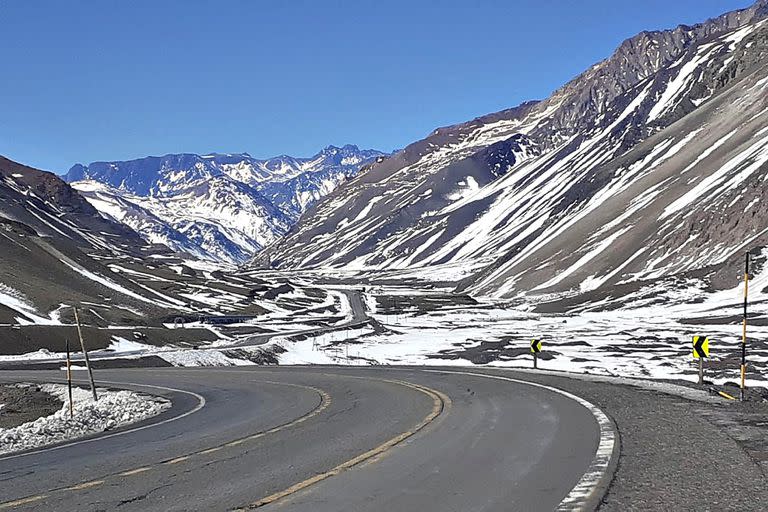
x=110, y=80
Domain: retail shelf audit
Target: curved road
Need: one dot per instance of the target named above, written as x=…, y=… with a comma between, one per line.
x=317, y=439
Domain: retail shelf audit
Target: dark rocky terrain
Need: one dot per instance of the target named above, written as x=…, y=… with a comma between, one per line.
x=647, y=165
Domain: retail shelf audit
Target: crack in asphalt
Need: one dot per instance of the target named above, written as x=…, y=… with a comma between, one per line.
x=144, y=496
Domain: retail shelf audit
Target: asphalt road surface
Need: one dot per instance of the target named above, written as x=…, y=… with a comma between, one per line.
x=317, y=439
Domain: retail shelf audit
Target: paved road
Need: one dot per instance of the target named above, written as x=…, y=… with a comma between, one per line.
x=319, y=439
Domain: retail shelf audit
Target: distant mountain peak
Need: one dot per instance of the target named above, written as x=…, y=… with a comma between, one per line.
x=345, y=148
x=222, y=206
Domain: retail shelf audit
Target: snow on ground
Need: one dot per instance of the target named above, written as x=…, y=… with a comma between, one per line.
x=176, y=356
x=187, y=357
x=642, y=342
x=328, y=348
x=16, y=301
x=38, y=354
x=121, y=348
x=112, y=285
x=113, y=409
x=370, y=303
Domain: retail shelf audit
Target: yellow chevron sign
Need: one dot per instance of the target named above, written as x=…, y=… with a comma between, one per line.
x=535, y=346
x=700, y=347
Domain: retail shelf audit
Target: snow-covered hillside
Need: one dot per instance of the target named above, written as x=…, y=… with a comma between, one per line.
x=650, y=163
x=217, y=207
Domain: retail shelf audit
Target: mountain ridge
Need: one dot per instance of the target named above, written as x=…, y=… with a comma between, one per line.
x=216, y=206
x=506, y=185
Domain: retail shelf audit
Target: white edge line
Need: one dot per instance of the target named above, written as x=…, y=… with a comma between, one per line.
x=200, y=405
x=584, y=488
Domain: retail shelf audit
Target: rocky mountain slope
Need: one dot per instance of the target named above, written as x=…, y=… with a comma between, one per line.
x=53, y=245
x=218, y=207
x=649, y=164
x=58, y=252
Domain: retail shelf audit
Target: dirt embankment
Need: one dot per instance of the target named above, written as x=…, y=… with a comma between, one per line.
x=16, y=340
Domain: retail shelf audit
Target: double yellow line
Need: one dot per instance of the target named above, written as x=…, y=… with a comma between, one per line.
x=440, y=402
x=325, y=402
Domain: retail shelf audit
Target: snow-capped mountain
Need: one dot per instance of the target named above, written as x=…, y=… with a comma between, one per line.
x=650, y=163
x=223, y=207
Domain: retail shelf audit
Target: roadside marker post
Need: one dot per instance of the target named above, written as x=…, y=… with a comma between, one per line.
x=535, y=349
x=700, y=351
x=85, y=354
x=69, y=383
x=744, y=331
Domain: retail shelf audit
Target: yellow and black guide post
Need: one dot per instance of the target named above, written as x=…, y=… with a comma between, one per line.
x=744, y=331
x=535, y=349
x=700, y=351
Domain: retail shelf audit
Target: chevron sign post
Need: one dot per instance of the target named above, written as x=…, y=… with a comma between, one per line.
x=700, y=351
x=535, y=349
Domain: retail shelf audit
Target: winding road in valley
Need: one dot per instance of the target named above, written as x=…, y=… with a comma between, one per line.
x=325, y=439
x=358, y=317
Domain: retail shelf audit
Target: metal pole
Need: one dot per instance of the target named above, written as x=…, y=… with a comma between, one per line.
x=744, y=331
x=535, y=360
x=85, y=354
x=69, y=383
x=701, y=370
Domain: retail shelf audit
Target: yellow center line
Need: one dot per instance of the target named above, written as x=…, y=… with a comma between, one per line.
x=135, y=471
x=325, y=402
x=22, y=501
x=177, y=460
x=84, y=485
x=440, y=403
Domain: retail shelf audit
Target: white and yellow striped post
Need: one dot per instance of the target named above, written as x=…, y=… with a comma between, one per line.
x=744, y=331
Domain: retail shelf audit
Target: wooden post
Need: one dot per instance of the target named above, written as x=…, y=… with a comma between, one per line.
x=85, y=354
x=69, y=382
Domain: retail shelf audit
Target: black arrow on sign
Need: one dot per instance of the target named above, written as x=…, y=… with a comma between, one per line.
x=698, y=345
